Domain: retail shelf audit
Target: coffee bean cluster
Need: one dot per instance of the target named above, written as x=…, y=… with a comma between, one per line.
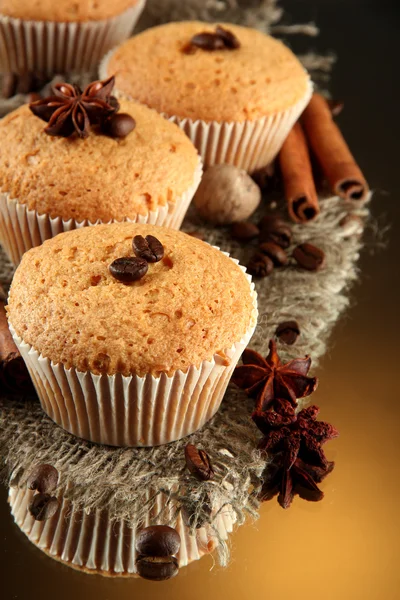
x=157, y=547
x=275, y=236
x=132, y=268
x=43, y=479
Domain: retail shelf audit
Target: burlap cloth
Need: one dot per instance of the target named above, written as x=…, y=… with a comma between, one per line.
x=119, y=479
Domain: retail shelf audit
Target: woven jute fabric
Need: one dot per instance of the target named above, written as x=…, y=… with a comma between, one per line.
x=119, y=479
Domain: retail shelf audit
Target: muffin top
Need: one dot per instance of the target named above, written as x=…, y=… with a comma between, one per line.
x=261, y=77
x=194, y=303
x=64, y=10
x=98, y=177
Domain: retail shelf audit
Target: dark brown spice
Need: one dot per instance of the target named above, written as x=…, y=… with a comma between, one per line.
x=158, y=540
x=157, y=568
x=276, y=253
x=70, y=110
x=222, y=39
x=230, y=40
x=274, y=229
x=266, y=379
x=14, y=376
x=43, y=478
x=198, y=462
x=288, y=332
x=128, y=269
x=119, y=125
x=299, y=462
x=43, y=507
x=260, y=265
x=149, y=248
x=244, y=230
x=309, y=257
x=207, y=41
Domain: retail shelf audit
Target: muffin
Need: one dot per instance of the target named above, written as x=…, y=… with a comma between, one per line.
x=130, y=364
x=63, y=36
x=53, y=184
x=237, y=103
x=93, y=543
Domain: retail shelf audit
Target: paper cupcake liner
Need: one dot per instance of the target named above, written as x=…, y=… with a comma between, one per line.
x=95, y=544
x=22, y=229
x=134, y=411
x=50, y=47
x=249, y=145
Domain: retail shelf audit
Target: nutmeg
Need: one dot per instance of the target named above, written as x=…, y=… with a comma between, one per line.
x=227, y=195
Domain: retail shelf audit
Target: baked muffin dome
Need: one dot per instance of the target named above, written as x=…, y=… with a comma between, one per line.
x=97, y=178
x=195, y=303
x=64, y=10
x=260, y=78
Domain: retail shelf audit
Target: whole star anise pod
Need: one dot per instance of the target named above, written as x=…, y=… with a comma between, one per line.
x=299, y=463
x=267, y=379
x=70, y=110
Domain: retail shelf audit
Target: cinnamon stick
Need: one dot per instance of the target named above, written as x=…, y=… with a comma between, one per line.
x=298, y=181
x=14, y=376
x=332, y=152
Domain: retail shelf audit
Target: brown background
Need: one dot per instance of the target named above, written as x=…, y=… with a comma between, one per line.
x=347, y=546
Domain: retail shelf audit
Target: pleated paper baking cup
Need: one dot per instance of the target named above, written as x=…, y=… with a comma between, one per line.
x=22, y=229
x=249, y=145
x=51, y=47
x=95, y=544
x=134, y=411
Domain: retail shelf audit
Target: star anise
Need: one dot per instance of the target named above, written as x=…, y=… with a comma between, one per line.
x=72, y=110
x=299, y=463
x=267, y=379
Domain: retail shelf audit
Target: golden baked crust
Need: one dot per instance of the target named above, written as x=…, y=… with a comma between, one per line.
x=98, y=177
x=64, y=10
x=260, y=78
x=194, y=303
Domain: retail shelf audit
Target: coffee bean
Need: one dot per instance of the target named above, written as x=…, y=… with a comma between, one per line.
x=8, y=85
x=260, y=265
x=43, y=507
x=128, y=269
x=158, y=540
x=275, y=253
x=309, y=257
x=157, y=568
x=230, y=40
x=198, y=462
x=207, y=41
x=244, y=230
x=43, y=478
x=271, y=222
x=149, y=248
x=288, y=332
x=273, y=229
x=119, y=125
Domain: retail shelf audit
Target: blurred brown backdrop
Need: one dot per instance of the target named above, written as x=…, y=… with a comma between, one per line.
x=347, y=546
